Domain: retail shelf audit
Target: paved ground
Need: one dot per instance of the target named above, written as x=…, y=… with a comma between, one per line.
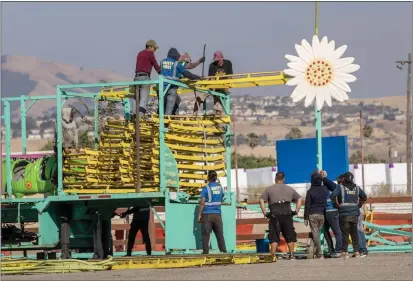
x=373, y=267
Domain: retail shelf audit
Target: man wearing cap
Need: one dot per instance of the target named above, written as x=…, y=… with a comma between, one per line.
x=218, y=67
x=209, y=213
x=144, y=63
x=349, y=198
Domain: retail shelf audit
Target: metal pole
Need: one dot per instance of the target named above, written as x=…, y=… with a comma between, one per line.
x=23, y=123
x=138, y=140
x=96, y=122
x=409, y=125
x=7, y=123
x=236, y=169
x=318, y=112
x=227, y=103
x=59, y=145
x=361, y=148
x=161, y=135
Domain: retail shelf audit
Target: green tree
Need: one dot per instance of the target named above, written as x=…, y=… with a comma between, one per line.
x=251, y=161
x=48, y=146
x=367, y=131
x=252, y=140
x=294, y=133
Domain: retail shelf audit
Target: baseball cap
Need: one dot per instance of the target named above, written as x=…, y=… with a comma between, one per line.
x=218, y=55
x=152, y=43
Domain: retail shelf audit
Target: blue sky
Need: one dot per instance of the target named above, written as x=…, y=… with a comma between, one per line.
x=254, y=36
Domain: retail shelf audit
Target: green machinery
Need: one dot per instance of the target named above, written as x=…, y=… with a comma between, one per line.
x=66, y=220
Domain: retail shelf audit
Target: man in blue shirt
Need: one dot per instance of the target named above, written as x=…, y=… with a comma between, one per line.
x=349, y=198
x=209, y=214
x=332, y=219
x=172, y=69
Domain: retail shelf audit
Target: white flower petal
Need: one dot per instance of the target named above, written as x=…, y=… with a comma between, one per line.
x=319, y=98
x=292, y=58
x=339, y=52
x=327, y=96
x=295, y=81
x=324, y=41
x=300, y=89
x=307, y=48
x=329, y=50
x=298, y=66
x=299, y=97
x=344, y=95
x=343, y=62
x=335, y=93
x=310, y=97
x=348, y=78
x=341, y=84
x=292, y=72
x=349, y=69
x=303, y=54
x=316, y=47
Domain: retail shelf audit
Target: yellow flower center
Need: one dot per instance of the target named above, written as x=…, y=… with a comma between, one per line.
x=319, y=73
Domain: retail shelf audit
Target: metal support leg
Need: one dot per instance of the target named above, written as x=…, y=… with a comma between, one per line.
x=23, y=123
x=7, y=123
x=64, y=238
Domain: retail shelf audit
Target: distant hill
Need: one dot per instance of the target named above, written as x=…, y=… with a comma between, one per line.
x=33, y=76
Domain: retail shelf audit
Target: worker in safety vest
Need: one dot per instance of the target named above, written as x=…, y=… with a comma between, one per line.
x=349, y=198
x=332, y=219
x=186, y=62
x=209, y=214
x=140, y=222
x=172, y=69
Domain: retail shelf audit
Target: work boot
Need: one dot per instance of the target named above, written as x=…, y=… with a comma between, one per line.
x=345, y=255
x=128, y=254
x=319, y=257
x=356, y=255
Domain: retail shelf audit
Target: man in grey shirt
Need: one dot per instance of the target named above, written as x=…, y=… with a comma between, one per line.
x=279, y=197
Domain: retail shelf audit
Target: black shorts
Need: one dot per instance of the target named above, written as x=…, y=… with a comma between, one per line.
x=282, y=224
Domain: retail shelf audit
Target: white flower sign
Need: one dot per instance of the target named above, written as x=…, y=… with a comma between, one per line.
x=320, y=72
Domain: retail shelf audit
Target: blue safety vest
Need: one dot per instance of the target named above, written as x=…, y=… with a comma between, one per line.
x=213, y=193
x=171, y=69
x=349, y=197
x=330, y=207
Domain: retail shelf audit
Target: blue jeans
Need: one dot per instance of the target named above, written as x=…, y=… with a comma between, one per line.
x=332, y=221
x=362, y=238
x=144, y=92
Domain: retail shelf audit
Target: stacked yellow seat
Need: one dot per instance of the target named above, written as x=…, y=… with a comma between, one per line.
x=197, y=143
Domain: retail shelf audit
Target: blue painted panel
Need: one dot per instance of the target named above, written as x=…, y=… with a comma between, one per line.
x=298, y=158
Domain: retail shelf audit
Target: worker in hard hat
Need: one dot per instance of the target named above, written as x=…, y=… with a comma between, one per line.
x=172, y=69
x=219, y=67
x=140, y=222
x=209, y=213
x=145, y=61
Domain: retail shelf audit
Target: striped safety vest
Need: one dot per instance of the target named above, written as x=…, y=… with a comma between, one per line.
x=213, y=199
x=349, y=197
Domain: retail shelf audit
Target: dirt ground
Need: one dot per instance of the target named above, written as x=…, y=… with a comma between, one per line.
x=373, y=267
